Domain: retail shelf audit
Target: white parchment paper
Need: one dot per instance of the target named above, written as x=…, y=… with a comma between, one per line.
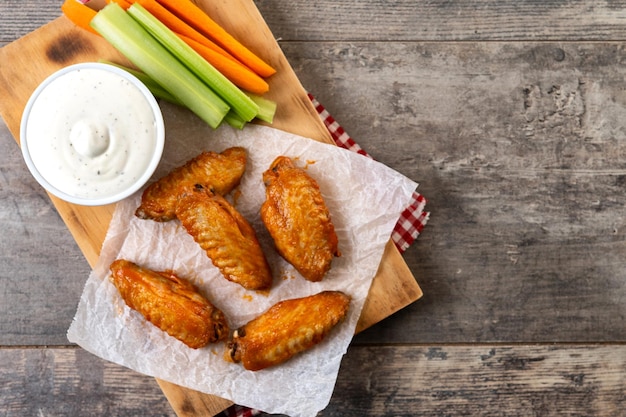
x=365, y=199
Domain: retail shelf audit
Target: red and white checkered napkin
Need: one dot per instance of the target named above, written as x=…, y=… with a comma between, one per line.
x=409, y=226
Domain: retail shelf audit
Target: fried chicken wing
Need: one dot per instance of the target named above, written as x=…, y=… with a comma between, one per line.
x=169, y=302
x=220, y=172
x=286, y=329
x=226, y=237
x=298, y=220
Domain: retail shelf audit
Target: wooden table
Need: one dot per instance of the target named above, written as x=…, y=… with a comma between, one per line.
x=512, y=117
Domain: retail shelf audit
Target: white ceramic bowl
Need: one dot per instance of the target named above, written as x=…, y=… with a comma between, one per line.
x=42, y=134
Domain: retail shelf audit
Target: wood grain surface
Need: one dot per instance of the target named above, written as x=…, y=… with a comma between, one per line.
x=510, y=115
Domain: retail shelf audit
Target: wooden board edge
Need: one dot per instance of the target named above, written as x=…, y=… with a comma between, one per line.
x=190, y=403
x=390, y=279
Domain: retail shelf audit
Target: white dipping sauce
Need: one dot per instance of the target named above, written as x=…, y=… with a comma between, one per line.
x=91, y=133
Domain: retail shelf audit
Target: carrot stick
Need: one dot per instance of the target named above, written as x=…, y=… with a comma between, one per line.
x=123, y=3
x=240, y=75
x=177, y=25
x=199, y=20
x=79, y=14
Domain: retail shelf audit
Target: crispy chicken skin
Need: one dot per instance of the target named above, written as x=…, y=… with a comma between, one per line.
x=226, y=237
x=286, y=329
x=220, y=172
x=171, y=303
x=298, y=220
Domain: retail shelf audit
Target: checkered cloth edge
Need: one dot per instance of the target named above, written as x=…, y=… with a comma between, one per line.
x=410, y=224
x=239, y=411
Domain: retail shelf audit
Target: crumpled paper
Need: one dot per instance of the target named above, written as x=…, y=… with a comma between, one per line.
x=365, y=199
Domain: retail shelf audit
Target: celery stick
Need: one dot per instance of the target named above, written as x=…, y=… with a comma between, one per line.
x=234, y=120
x=240, y=103
x=267, y=108
x=144, y=51
x=154, y=87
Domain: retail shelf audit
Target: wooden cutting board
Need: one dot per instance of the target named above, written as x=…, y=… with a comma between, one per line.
x=26, y=62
